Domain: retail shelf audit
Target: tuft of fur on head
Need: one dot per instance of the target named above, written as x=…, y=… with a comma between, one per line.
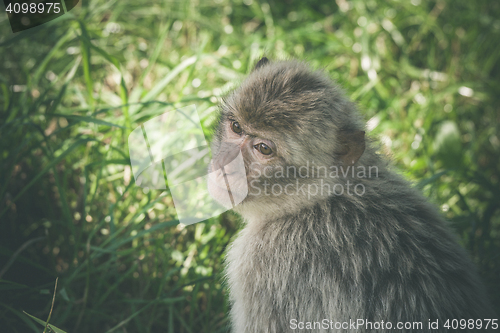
x=288, y=98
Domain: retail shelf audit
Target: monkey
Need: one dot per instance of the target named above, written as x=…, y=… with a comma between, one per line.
x=333, y=239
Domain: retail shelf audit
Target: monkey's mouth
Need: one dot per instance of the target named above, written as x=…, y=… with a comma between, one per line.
x=228, y=188
x=230, y=182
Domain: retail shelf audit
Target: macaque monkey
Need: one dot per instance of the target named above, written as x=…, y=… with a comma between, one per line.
x=333, y=240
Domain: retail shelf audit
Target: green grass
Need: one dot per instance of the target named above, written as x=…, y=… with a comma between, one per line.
x=426, y=75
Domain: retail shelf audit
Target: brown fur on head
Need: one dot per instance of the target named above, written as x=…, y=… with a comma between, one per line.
x=301, y=107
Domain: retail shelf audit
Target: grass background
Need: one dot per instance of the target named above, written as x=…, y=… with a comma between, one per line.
x=425, y=74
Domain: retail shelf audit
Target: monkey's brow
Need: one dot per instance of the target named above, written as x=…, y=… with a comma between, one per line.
x=229, y=109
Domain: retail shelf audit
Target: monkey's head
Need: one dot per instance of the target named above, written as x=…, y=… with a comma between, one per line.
x=289, y=123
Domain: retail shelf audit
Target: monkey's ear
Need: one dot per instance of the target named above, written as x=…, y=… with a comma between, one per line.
x=261, y=63
x=352, y=146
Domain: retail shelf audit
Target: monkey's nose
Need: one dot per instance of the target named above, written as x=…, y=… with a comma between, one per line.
x=227, y=153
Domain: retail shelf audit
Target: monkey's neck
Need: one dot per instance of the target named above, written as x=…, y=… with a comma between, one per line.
x=387, y=201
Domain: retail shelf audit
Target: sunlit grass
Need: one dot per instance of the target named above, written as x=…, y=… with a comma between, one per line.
x=72, y=91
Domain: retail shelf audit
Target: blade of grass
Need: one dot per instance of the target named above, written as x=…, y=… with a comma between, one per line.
x=56, y=160
x=85, y=119
x=85, y=45
x=42, y=68
x=52, y=327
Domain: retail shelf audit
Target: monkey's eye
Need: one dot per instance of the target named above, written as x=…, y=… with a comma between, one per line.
x=264, y=149
x=235, y=126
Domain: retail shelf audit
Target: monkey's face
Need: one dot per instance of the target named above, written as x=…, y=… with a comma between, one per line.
x=285, y=123
x=241, y=160
x=268, y=179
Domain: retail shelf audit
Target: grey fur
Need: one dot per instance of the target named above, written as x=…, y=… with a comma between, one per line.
x=386, y=255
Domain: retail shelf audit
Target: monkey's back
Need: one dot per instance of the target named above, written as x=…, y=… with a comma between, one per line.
x=391, y=260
